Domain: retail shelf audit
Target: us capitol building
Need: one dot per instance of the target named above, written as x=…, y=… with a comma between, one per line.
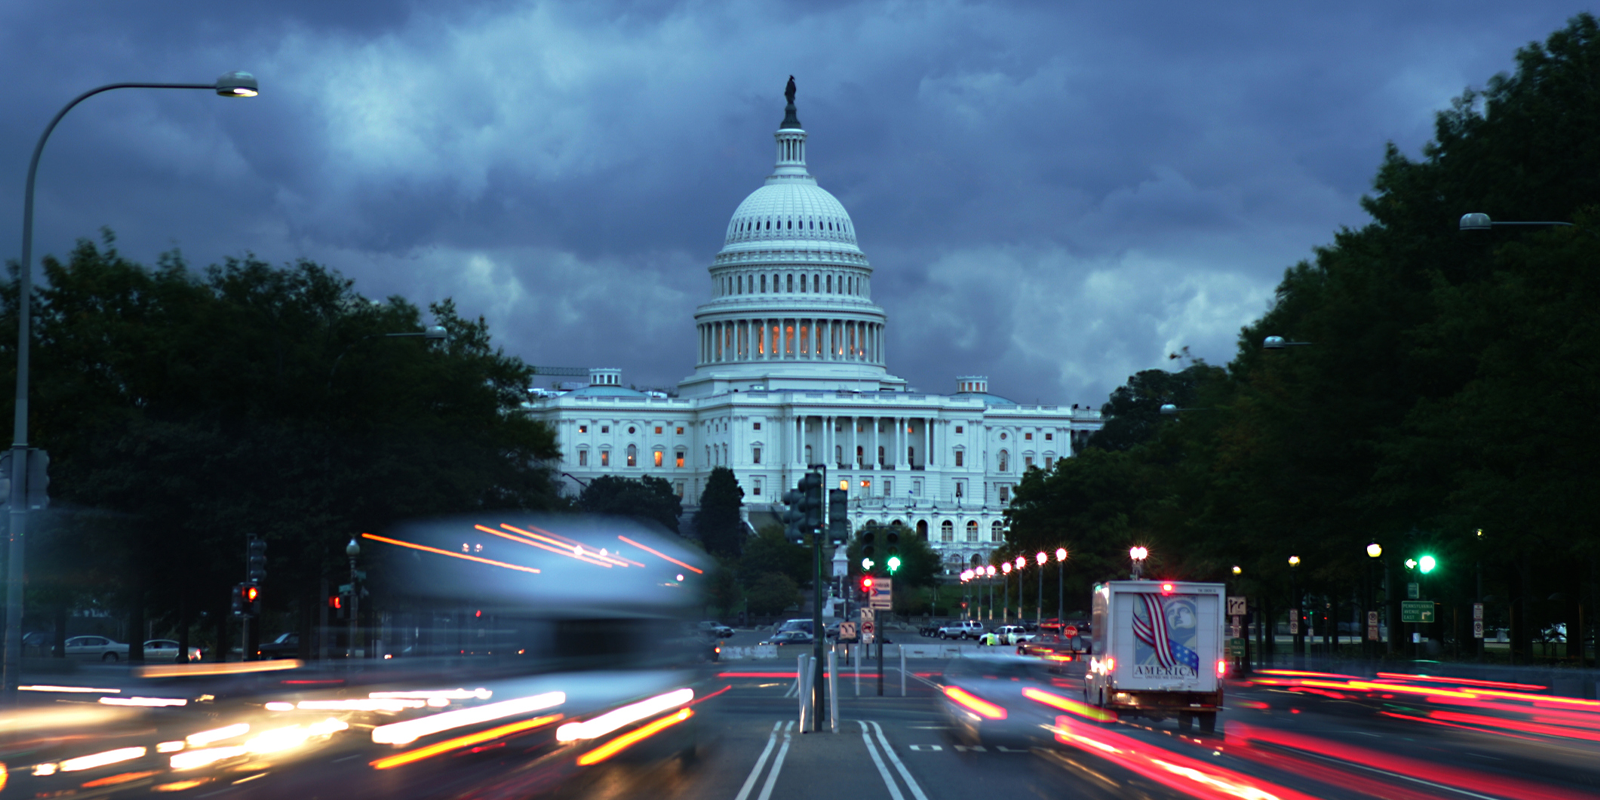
x=792, y=371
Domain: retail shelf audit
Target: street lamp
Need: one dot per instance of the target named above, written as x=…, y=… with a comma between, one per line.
x=352, y=550
x=1061, y=560
x=1481, y=222
x=1375, y=552
x=1038, y=615
x=1278, y=343
x=233, y=84
x=1297, y=644
x=1138, y=554
x=989, y=572
x=1005, y=568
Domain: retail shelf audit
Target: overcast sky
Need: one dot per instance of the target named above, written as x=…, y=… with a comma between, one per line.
x=1054, y=194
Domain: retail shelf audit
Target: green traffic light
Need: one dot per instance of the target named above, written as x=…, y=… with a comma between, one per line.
x=1427, y=564
x=894, y=564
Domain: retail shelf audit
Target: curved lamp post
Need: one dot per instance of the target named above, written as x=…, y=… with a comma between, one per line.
x=1481, y=222
x=1038, y=616
x=988, y=572
x=1278, y=343
x=352, y=550
x=1138, y=555
x=1005, y=575
x=1297, y=644
x=233, y=84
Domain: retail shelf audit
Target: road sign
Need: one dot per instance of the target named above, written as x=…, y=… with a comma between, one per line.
x=1294, y=621
x=866, y=631
x=1235, y=606
x=866, y=616
x=847, y=630
x=1069, y=631
x=1236, y=647
x=1416, y=611
x=1412, y=592
x=881, y=593
x=1477, y=611
x=1477, y=629
x=1372, y=627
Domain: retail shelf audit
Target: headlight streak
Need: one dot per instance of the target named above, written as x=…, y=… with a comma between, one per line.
x=426, y=549
x=413, y=729
x=194, y=759
x=170, y=747
x=1190, y=776
x=73, y=689
x=360, y=704
x=120, y=778
x=568, y=548
x=560, y=551
x=563, y=540
x=1069, y=705
x=973, y=703
x=145, y=702
x=616, y=745
x=625, y=715
x=275, y=740
x=429, y=694
x=101, y=759
x=213, y=668
x=659, y=554
x=203, y=738
x=459, y=742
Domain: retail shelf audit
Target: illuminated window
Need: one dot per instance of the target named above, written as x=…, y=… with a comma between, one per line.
x=972, y=531
x=605, y=458
x=866, y=485
x=633, y=456
x=680, y=459
x=947, y=531
x=1027, y=436
x=960, y=457
x=659, y=456
x=755, y=455
x=583, y=458
x=583, y=429
x=680, y=430
x=658, y=429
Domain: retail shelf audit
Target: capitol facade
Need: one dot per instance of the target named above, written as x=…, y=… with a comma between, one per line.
x=791, y=371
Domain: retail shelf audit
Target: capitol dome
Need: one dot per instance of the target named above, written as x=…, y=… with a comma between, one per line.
x=791, y=212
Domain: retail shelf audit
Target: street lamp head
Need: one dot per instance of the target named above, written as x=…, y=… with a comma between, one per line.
x=1294, y=561
x=1476, y=222
x=1042, y=557
x=1006, y=568
x=1061, y=554
x=1237, y=570
x=1168, y=409
x=434, y=333
x=1272, y=343
x=1138, y=553
x=1021, y=561
x=1374, y=550
x=238, y=84
x=990, y=571
x=352, y=549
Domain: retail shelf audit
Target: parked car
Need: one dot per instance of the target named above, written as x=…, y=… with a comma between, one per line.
x=1013, y=634
x=38, y=643
x=965, y=629
x=97, y=648
x=159, y=650
x=287, y=645
x=714, y=629
x=789, y=637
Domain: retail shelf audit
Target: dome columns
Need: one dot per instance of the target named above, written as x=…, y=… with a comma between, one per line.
x=790, y=338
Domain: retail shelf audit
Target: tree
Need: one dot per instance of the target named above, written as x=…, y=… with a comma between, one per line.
x=772, y=593
x=718, y=521
x=647, y=498
x=1133, y=413
x=771, y=551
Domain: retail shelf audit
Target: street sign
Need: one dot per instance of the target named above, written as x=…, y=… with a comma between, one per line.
x=1294, y=621
x=1233, y=630
x=1235, y=606
x=1477, y=629
x=882, y=596
x=1372, y=627
x=1416, y=611
x=866, y=616
x=1412, y=592
x=866, y=631
x=1236, y=647
x=847, y=630
x=1069, y=631
x=1477, y=611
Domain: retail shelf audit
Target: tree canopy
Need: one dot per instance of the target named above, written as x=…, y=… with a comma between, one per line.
x=718, y=521
x=647, y=498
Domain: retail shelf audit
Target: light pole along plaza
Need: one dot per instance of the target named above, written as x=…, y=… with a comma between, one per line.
x=1061, y=592
x=233, y=84
x=1038, y=612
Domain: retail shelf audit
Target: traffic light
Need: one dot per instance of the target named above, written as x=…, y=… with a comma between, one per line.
x=838, y=525
x=869, y=538
x=250, y=596
x=811, y=501
x=793, y=516
x=866, y=587
x=238, y=599
x=892, y=540
x=256, y=559
x=1426, y=564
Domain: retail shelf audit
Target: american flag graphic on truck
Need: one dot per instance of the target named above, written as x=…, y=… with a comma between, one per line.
x=1165, y=637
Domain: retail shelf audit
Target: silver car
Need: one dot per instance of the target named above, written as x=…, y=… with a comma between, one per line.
x=161, y=650
x=97, y=648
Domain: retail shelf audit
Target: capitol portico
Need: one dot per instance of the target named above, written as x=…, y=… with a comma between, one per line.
x=791, y=371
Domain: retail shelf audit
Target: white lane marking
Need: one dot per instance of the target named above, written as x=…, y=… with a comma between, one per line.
x=1389, y=774
x=883, y=771
x=755, y=772
x=911, y=783
x=777, y=763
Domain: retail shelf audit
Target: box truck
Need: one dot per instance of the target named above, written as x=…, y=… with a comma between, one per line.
x=1158, y=650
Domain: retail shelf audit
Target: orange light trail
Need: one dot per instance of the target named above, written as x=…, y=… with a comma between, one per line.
x=1069, y=705
x=695, y=570
x=1400, y=676
x=974, y=703
x=611, y=748
x=559, y=539
x=426, y=549
x=558, y=551
x=570, y=551
x=462, y=741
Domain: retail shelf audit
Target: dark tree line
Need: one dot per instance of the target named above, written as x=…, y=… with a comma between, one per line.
x=1447, y=389
x=185, y=410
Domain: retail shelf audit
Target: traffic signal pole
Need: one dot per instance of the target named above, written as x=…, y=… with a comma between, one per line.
x=816, y=501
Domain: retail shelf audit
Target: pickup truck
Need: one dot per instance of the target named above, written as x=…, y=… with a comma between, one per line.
x=965, y=629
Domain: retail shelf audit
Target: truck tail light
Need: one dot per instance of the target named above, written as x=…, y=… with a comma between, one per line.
x=1222, y=668
x=1108, y=664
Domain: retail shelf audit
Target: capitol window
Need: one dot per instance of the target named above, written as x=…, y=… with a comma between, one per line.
x=888, y=487
x=605, y=458
x=605, y=428
x=757, y=489
x=1049, y=437
x=680, y=459
x=1047, y=463
x=997, y=532
x=658, y=429
x=633, y=456
x=960, y=457
x=947, y=531
x=583, y=429
x=960, y=429
x=972, y=531
x=757, y=426
x=583, y=458
x=630, y=429
x=960, y=488
x=659, y=456
x=755, y=455
x=1028, y=436
x=1004, y=460
x=1005, y=494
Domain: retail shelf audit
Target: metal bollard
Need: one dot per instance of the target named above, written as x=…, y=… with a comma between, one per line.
x=833, y=692
x=902, y=670
x=803, y=687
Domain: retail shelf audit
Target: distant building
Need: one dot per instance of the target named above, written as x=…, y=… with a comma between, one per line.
x=792, y=371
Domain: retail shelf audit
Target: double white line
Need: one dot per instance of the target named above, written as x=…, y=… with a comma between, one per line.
x=888, y=780
x=772, y=777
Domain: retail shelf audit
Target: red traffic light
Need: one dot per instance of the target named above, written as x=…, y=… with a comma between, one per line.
x=251, y=593
x=866, y=583
x=335, y=602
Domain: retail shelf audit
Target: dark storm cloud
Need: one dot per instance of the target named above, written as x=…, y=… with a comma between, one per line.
x=1055, y=195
